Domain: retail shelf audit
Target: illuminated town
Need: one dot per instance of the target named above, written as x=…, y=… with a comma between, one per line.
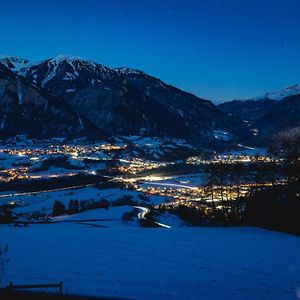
x=28, y=163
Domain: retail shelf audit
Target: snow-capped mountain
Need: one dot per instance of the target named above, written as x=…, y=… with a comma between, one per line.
x=26, y=108
x=129, y=101
x=128, y=71
x=281, y=94
x=14, y=63
x=271, y=113
x=283, y=116
x=67, y=74
x=255, y=108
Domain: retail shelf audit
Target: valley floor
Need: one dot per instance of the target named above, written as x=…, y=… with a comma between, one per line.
x=155, y=263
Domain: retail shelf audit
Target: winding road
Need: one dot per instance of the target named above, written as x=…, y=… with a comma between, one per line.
x=144, y=211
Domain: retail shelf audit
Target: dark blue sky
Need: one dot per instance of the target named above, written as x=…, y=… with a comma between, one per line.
x=218, y=49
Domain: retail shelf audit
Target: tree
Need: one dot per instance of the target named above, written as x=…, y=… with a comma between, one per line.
x=6, y=216
x=238, y=172
x=144, y=197
x=291, y=166
x=83, y=205
x=278, y=206
x=3, y=261
x=128, y=216
x=73, y=207
x=58, y=208
x=212, y=182
x=220, y=171
x=103, y=203
x=191, y=215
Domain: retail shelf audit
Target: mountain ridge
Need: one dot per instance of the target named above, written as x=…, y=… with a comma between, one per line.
x=135, y=101
x=26, y=108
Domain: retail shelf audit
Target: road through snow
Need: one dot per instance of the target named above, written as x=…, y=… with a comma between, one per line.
x=144, y=211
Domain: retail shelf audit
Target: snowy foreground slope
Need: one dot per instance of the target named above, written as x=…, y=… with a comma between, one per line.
x=138, y=263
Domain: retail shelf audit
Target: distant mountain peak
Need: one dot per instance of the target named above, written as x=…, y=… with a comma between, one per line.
x=26, y=108
x=13, y=59
x=61, y=57
x=13, y=62
x=76, y=62
x=127, y=71
x=70, y=59
x=281, y=94
x=128, y=101
x=71, y=72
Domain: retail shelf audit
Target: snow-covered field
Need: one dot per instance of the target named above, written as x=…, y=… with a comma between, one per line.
x=43, y=201
x=177, y=263
x=94, y=253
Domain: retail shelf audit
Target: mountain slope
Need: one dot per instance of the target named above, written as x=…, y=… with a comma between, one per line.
x=255, y=108
x=250, y=110
x=284, y=115
x=14, y=63
x=199, y=114
x=128, y=101
x=281, y=94
x=122, y=109
x=28, y=109
x=65, y=75
x=140, y=104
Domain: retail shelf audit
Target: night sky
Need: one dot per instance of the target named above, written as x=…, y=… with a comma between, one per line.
x=219, y=50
